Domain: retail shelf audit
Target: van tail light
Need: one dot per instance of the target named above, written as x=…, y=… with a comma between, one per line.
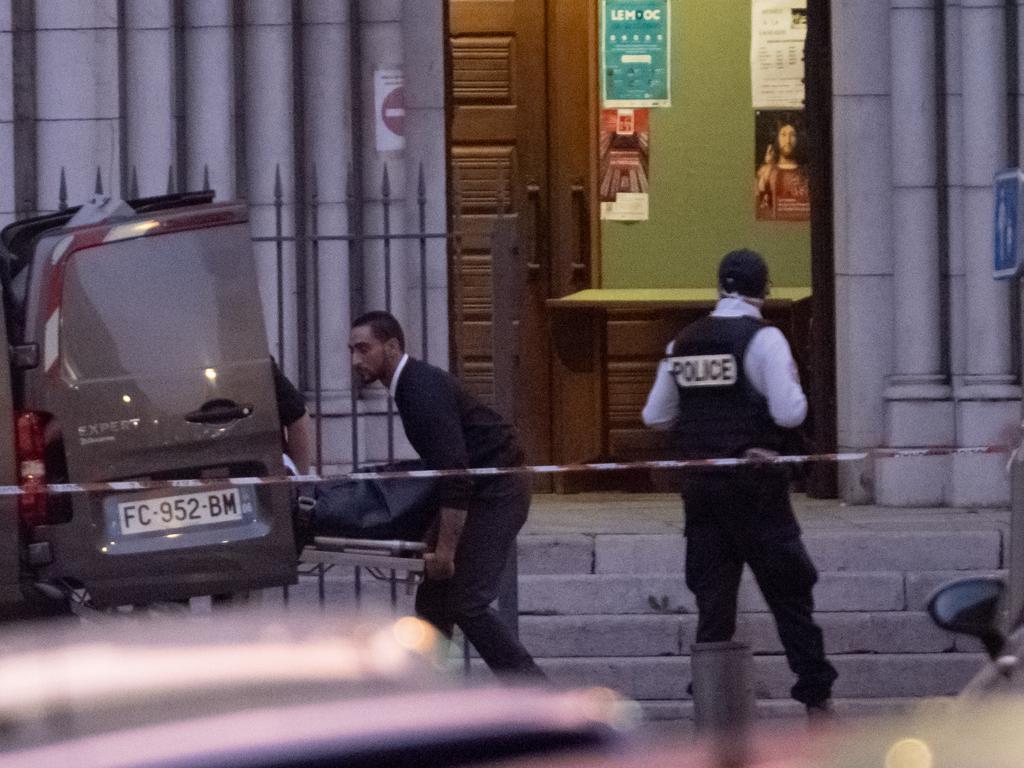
x=29, y=443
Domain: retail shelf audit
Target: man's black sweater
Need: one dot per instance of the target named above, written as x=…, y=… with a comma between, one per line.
x=450, y=429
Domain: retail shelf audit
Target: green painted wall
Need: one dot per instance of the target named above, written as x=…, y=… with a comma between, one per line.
x=702, y=167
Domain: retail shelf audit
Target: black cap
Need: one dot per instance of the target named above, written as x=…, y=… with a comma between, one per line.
x=743, y=272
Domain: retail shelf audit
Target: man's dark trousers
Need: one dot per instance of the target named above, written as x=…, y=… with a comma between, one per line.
x=497, y=511
x=745, y=517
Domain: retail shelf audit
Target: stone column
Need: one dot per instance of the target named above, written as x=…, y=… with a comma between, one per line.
x=382, y=46
x=7, y=205
x=149, y=93
x=988, y=394
x=328, y=105
x=919, y=411
x=955, y=193
x=269, y=146
x=210, y=95
x=863, y=231
x=77, y=105
x=423, y=44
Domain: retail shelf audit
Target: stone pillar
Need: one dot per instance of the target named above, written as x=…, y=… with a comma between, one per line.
x=328, y=105
x=988, y=394
x=210, y=95
x=7, y=204
x=919, y=411
x=955, y=193
x=149, y=93
x=77, y=105
x=382, y=48
x=423, y=43
x=269, y=146
x=863, y=231
x=382, y=45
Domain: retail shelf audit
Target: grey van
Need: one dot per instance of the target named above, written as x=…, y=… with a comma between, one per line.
x=139, y=352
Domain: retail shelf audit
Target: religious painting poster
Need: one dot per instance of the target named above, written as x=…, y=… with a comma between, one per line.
x=782, y=192
x=635, y=43
x=778, y=32
x=624, y=151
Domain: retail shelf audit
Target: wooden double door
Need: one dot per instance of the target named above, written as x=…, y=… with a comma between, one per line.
x=522, y=137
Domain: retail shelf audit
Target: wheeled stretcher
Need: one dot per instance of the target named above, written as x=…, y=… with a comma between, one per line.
x=368, y=526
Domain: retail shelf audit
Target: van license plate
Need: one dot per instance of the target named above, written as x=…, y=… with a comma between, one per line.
x=166, y=513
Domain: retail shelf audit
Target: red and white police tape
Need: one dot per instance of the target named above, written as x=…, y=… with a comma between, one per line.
x=542, y=469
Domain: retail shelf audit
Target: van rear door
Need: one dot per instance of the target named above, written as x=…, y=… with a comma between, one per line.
x=163, y=373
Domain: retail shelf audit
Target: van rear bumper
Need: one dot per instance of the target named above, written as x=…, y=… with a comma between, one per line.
x=241, y=561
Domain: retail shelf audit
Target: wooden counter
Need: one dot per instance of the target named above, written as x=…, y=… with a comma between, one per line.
x=633, y=327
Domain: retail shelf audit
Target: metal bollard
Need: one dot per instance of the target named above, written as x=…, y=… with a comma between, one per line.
x=723, y=697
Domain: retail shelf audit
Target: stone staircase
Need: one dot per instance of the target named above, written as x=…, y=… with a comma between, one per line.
x=613, y=610
x=610, y=607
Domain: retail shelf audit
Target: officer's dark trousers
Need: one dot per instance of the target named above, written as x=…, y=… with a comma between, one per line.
x=496, y=513
x=731, y=523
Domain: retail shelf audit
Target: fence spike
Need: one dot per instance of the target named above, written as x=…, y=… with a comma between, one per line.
x=206, y=177
x=62, y=191
x=99, y=182
x=133, y=191
x=278, y=187
x=421, y=186
x=170, y=179
x=386, y=183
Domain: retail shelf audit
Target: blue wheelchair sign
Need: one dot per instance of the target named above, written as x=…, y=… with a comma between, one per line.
x=1008, y=228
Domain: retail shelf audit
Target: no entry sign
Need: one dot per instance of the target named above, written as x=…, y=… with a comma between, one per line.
x=389, y=104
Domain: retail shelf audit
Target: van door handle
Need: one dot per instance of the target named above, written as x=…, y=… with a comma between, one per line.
x=218, y=411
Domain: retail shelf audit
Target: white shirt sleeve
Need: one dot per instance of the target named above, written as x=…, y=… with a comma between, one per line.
x=772, y=371
x=662, y=405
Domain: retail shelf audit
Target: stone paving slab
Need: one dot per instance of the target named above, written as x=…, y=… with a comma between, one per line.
x=661, y=513
x=860, y=676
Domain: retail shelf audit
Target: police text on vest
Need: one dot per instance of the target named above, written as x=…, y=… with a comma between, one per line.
x=703, y=370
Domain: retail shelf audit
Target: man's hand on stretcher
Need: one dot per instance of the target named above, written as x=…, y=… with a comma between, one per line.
x=439, y=563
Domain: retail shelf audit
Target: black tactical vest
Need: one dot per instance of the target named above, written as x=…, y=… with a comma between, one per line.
x=721, y=414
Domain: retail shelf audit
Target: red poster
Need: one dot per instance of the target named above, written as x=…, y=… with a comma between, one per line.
x=625, y=160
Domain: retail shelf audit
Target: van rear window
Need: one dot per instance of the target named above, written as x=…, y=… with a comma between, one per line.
x=169, y=302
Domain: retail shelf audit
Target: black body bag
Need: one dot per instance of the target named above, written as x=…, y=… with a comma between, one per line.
x=395, y=508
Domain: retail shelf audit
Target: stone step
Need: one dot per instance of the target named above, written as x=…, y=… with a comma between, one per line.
x=674, y=713
x=954, y=550
x=867, y=676
x=625, y=594
x=845, y=633
x=667, y=593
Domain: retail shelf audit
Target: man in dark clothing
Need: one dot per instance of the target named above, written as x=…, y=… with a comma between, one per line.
x=295, y=421
x=728, y=387
x=479, y=518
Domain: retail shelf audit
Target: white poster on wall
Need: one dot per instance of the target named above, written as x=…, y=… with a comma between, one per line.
x=778, y=32
x=389, y=109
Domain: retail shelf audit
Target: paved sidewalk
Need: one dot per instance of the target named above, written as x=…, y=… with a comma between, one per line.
x=652, y=513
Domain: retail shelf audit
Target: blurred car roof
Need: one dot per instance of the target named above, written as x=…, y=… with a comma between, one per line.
x=239, y=689
x=955, y=734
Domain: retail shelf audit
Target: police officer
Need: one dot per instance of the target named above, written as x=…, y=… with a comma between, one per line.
x=729, y=387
